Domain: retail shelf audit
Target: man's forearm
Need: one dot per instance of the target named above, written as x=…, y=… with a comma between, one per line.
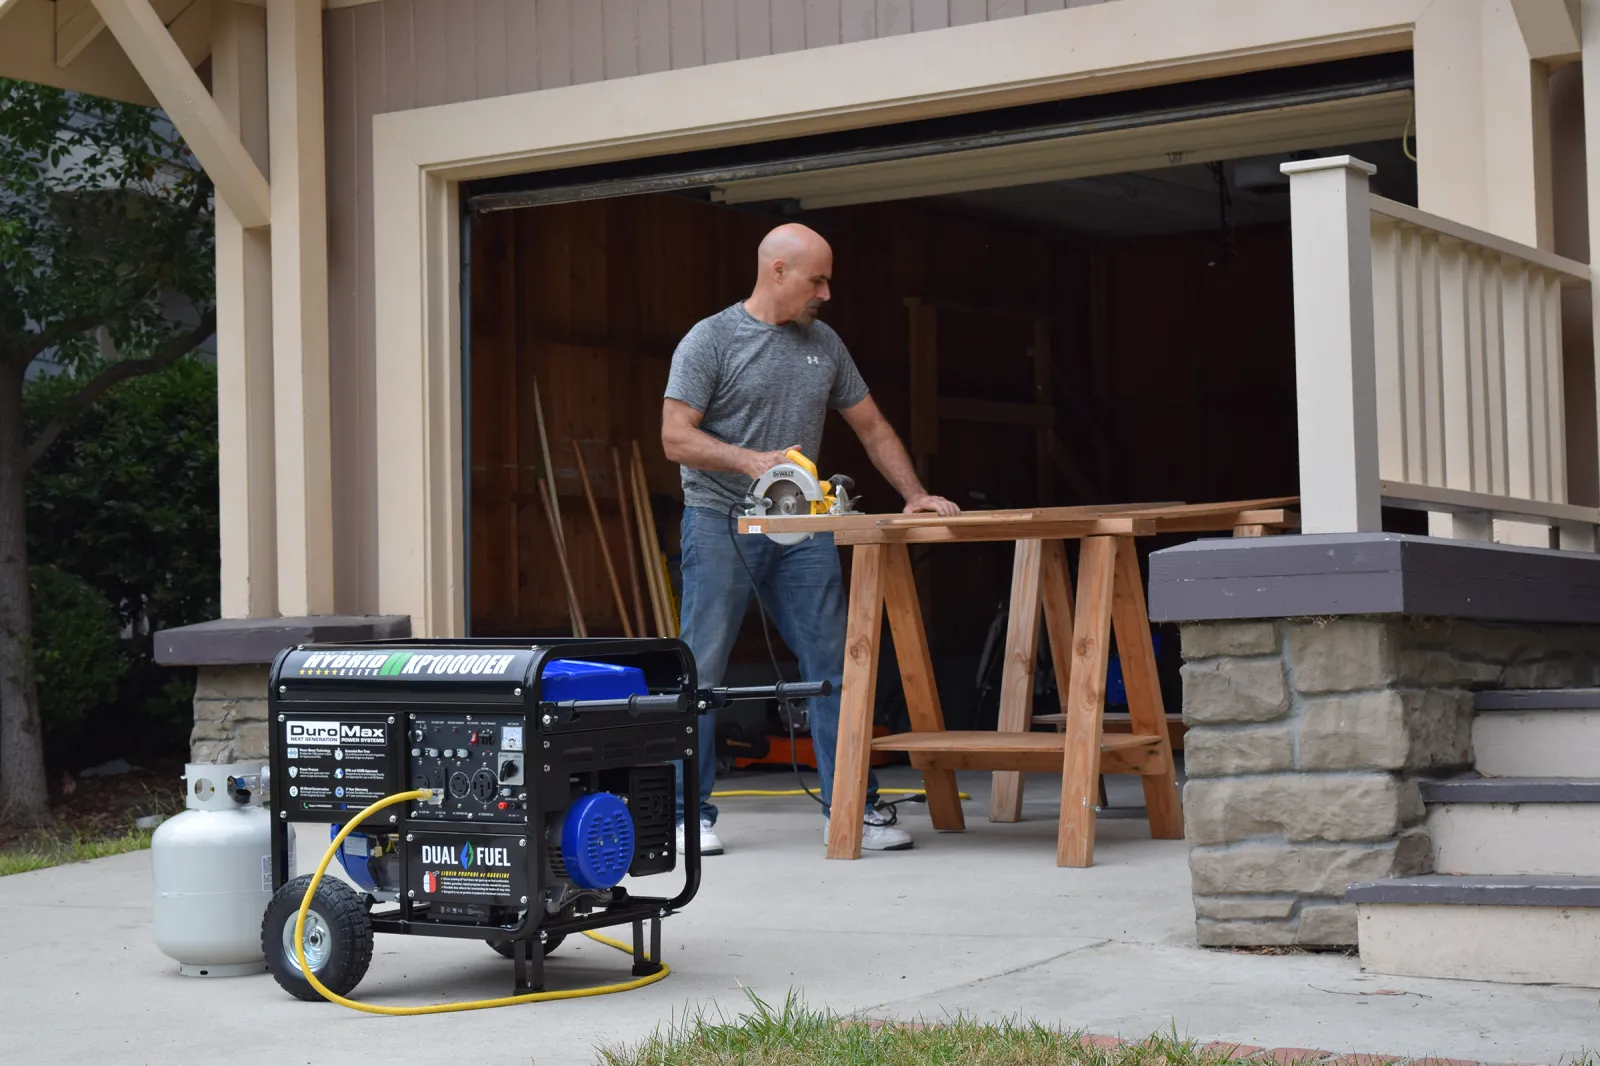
x=699, y=450
x=893, y=462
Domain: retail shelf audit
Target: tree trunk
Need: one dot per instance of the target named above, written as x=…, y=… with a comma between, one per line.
x=24, y=795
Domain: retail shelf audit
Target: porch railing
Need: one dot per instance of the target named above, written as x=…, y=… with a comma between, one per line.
x=1429, y=368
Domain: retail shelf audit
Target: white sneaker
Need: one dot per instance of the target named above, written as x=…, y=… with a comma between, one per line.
x=709, y=843
x=876, y=834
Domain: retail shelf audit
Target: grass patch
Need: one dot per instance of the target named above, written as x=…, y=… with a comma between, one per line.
x=95, y=837
x=57, y=848
x=796, y=1035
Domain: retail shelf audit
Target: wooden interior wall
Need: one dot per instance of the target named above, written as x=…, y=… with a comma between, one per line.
x=1173, y=377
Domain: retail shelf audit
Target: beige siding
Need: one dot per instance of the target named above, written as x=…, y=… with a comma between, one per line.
x=404, y=54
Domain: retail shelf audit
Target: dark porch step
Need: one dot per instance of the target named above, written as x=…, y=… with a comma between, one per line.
x=1538, y=699
x=1478, y=890
x=1475, y=789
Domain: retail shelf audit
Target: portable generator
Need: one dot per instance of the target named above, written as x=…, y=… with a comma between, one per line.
x=542, y=777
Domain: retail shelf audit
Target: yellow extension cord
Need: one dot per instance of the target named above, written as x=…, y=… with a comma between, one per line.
x=503, y=1001
x=437, y=1008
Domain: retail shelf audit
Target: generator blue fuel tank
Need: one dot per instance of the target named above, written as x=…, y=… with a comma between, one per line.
x=573, y=679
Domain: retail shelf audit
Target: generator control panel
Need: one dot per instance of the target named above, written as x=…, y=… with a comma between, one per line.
x=473, y=762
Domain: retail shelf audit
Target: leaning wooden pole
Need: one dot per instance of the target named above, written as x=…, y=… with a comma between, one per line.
x=553, y=504
x=658, y=564
x=600, y=534
x=629, y=556
x=641, y=508
x=578, y=629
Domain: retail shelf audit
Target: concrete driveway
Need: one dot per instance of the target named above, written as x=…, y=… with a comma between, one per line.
x=981, y=923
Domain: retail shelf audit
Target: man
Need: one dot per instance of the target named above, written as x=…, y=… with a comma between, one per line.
x=746, y=385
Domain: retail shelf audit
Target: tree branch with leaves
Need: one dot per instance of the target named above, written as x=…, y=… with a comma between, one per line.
x=106, y=274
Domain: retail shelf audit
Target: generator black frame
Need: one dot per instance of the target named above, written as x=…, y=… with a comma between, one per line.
x=676, y=699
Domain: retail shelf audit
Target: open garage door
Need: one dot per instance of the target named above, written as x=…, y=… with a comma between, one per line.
x=1245, y=115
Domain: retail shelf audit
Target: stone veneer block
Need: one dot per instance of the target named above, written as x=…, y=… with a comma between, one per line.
x=1308, y=869
x=1297, y=807
x=1207, y=641
x=1366, y=731
x=1235, y=908
x=1212, y=751
x=1345, y=655
x=1234, y=690
x=230, y=714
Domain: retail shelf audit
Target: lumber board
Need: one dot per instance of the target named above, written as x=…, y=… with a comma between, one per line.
x=1145, y=709
x=1086, y=701
x=917, y=678
x=858, y=691
x=1017, y=671
x=1022, y=752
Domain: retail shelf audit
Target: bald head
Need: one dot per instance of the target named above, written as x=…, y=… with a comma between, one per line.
x=793, y=268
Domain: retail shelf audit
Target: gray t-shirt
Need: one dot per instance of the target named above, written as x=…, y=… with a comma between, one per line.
x=758, y=386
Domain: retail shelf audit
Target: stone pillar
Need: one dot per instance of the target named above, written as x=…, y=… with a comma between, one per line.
x=230, y=714
x=233, y=657
x=1306, y=740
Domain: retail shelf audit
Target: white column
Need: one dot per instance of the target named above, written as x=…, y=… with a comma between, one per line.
x=1334, y=361
x=300, y=308
x=244, y=332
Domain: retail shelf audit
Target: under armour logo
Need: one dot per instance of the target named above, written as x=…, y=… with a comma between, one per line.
x=814, y=360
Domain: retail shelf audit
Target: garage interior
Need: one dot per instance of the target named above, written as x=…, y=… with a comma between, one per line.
x=1101, y=316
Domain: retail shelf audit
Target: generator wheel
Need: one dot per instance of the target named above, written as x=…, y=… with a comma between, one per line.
x=551, y=942
x=338, y=938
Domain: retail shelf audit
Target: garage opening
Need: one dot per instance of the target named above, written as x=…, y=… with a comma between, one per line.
x=1085, y=302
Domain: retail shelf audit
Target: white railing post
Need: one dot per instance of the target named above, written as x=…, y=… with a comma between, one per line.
x=1335, y=378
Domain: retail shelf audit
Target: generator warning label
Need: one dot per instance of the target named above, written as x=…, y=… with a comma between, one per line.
x=481, y=869
x=334, y=765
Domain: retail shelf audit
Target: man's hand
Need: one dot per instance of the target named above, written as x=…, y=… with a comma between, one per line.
x=937, y=504
x=759, y=463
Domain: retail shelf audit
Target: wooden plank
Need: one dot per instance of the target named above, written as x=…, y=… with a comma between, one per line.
x=997, y=412
x=858, y=693
x=1017, y=673
x=1432, y=365
x=1085, y=700
x=956, y=741
x=1386, y=350
x=1145, y=708
x=1000, y=531
x=1047, y=448
x=173, y=82
x=924, y=333
x=1113, y=760
x=600, y=538
x=1412, y=419
x=630, y=551
x=1570, y=270
x=917, y=678
x=1055, y=585
x=823, y=24
x=655, y=36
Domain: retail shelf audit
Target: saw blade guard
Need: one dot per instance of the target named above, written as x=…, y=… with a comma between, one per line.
x=790, y=488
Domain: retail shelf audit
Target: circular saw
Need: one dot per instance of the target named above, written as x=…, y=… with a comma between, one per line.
x=793, y=488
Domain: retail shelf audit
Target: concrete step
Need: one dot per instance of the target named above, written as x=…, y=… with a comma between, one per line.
x=1514, y=825
x=1537, y=733
x=1524, y=930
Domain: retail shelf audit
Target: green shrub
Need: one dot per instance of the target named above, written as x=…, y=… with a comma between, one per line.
x=79, y=659
x=127, y=501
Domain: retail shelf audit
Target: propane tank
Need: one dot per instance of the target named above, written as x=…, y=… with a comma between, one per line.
x=212, y=870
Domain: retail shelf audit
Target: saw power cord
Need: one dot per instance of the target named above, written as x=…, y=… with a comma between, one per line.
x=890, y=810
x=439, y=1008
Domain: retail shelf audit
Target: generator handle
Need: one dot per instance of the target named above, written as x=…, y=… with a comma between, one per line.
x=669, y=704
x=678, y=702
x=783, y=690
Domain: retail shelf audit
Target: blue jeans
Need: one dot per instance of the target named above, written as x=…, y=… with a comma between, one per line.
x=804, y=595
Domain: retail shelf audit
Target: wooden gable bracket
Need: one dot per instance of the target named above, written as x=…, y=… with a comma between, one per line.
x=140, y=31
x=1549, y=28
